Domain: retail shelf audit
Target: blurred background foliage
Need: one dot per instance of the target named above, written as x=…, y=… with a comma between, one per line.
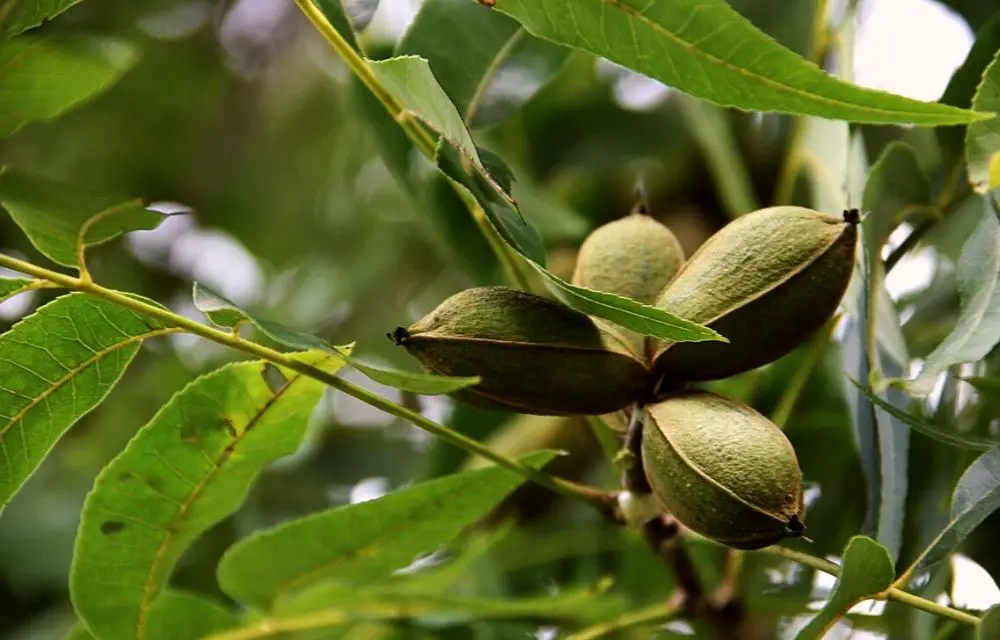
x=238, y=116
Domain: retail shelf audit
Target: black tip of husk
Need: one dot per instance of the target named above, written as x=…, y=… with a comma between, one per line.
x=794, y=527
x=399, y=336
x=852, y=216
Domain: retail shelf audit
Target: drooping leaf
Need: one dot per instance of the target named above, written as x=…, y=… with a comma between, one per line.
x=225, y=313
x=20, y=15
x=360, y=12
x=929, y=429
x=184, y=471
x=57, y=365
x=866, y=571
x=364, y=542
x=488, y=64
x=883, y=441
x=706, y=49
x=962, y=87
x=976, y=496
x=335, y=13
x=626, y=312
x=989, y=626
x=982, y=139
x=42, y=78
x=56, y=217
x=410, y=80
x=896, y=186
x=10, y=287
x=714, y=135
x=977, y=329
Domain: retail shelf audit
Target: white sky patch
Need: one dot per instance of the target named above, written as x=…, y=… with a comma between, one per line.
x=916, y=61
x=972, y=587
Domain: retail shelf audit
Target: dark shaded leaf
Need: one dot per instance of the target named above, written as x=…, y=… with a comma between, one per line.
x=896, y=187
x=989, y=627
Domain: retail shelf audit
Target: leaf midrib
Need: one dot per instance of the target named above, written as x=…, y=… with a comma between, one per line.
x=834, y=102
x=72, y=373
x=170, y=531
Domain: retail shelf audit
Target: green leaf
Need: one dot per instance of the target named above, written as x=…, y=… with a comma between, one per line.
x=42, y=78
x=984, y=385
x=706, y=49
x=188, y=468
x=896, y=187
x=883, y=441
x=989, y=626
x=977, y=329
x=360, y=12
x=866, y=571
x=713, y=133
x=976, y=496
x=20, y=15
x=226, y=314
x=626, y=312
x=962, y=87
x=410, y=80
x=57, y=365
x=982, y=139
x=176, y=614
x=481, y=49
x=338, y=17
x=10, y=287
x=576, y=605
x=56, y=217
x=367, y=541
x=929, y=429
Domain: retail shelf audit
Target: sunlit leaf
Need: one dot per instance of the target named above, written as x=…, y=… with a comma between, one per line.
x=929, y=429
x=706, y=49
x=225, y=313
x=487, y=63
x=57, y=365
x=20, y=15
x=10, y=287
x=976, y=496
x=866, y=571
x=184, y=471
x=54, y=215
x=41, y=78
x=982, y=139
x=977, y=329
x=364, y=542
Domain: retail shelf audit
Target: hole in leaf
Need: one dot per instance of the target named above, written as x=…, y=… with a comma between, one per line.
x=274, y=378
x=112, y=527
